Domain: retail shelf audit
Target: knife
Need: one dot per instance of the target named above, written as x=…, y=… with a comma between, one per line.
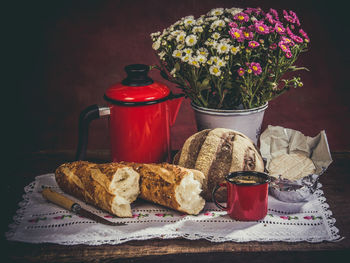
x=74, y=207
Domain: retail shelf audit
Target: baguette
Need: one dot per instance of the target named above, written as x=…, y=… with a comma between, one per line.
x=111, y=187
x=114, y=186
x=171, y=186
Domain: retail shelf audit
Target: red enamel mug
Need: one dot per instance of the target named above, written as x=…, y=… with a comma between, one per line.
x=247, y=195
x=141, y=112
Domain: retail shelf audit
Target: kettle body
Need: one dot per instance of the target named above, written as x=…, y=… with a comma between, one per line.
x=140, y=113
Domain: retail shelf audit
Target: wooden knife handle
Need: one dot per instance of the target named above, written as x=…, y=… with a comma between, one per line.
x=57, y=198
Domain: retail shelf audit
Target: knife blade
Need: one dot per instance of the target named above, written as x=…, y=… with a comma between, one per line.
x=74, y=207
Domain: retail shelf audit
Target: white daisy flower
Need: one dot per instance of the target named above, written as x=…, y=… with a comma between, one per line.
x=216, y=11
x=200, y=20
x=197, y=29
x=234, y=11
x=221, y=63
x=188, y=51
x=173, y=72
x=176, y=32
x=234, y=50
x=211, y=18
x=191, y=40
x=215, y=70
x=181, y=37
x=201, y=59
x=180, y=46
x=192, y=61
x=161, y=55
x=186, y=58
x=223, y=48
x=155, y=35
x=177, y=53
x=225, y=40
x=156, y=45
x=209, y=42
x=216, y=35
x=202, y=51
x=217, y=23
x=189, y=21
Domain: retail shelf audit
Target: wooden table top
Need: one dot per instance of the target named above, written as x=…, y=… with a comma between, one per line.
x=336, y=186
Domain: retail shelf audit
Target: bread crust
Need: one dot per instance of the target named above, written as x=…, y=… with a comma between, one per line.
x=158, y=183
x=90, y=182
x=221, y=151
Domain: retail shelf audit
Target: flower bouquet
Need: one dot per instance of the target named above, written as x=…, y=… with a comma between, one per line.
x=232, y=58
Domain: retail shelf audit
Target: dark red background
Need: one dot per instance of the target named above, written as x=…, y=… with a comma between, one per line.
x=62, y=55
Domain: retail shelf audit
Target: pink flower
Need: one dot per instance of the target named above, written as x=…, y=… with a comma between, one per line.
x=294, y=37
x=256, y=68
x=242, y=17
x=284, y=217
x=287, y=41
x=247, y=33
x=261, y=28
x=273, y=46
x=237, y=34
x=208, y=214
x=303, y=33
x=253, y=44
x=279, y=28
x=256, y=11
x=240, y=71
x=274, y=13
x=283, y=46
x=288, y=54
x=270, y=18
x=291, y=17
x=233, y=24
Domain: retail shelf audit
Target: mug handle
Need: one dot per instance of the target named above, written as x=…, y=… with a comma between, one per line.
x=213, y=195
x=86, y=116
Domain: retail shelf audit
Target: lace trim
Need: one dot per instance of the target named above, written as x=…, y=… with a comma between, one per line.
x=90, y=239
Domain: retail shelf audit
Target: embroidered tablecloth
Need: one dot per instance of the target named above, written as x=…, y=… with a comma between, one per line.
x=39, y=221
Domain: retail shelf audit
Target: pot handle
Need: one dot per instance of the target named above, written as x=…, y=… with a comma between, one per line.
x=86, y=116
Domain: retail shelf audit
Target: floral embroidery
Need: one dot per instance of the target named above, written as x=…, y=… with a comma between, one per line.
x=289, y=217
x=138, y=216
x=37, y=219
x=164, y=215
x=212, y=214
x=312, y=217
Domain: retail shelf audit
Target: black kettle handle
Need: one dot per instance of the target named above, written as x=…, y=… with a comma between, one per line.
x=86, y=116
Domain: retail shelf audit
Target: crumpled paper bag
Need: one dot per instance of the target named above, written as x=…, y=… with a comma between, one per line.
x=277, y=140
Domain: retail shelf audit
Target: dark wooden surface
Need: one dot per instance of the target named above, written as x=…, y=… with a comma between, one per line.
x=336, y=186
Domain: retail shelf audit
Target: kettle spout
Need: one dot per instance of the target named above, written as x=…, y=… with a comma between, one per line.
x=174, y=104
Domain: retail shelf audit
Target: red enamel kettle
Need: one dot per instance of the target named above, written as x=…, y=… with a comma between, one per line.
x=141, y=112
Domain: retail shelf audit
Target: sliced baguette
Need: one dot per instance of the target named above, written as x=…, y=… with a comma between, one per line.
x=111, y=187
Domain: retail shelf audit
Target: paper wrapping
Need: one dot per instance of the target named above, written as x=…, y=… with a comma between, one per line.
x=277, y=140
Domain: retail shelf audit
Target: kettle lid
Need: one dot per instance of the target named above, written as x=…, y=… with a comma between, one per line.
x=137, y=87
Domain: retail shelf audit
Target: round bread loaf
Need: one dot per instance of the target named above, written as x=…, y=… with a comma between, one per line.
x=216, y=153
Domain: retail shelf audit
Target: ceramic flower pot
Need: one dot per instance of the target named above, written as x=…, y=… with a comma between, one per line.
x=247, y=121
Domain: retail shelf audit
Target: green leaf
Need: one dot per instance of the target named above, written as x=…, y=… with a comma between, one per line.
x=177, y=66
x=164, y=75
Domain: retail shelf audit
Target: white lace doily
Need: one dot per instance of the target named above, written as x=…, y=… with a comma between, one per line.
x=39, y=221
